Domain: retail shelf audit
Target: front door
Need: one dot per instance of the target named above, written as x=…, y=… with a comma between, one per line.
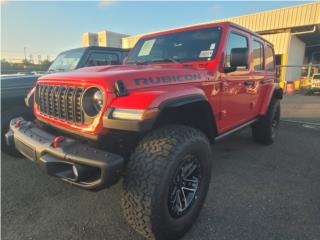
x=235, y=99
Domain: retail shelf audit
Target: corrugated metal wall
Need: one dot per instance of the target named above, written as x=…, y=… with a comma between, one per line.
x=296, y=16
x=110, y=39
x=89, y=39
x=129, y=42
x=295, y=57
x=280, y=41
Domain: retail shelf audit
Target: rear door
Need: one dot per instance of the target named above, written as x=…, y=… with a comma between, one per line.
x=235, y=100
x=268, y=79
x=257, y=77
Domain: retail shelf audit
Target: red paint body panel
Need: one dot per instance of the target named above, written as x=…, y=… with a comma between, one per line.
x=231, y=102
x=265, y=98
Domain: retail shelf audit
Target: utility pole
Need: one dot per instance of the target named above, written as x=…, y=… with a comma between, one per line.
x=25, y=53
x=31, y=58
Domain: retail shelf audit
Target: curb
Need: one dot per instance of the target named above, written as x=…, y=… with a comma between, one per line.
x=300, y=122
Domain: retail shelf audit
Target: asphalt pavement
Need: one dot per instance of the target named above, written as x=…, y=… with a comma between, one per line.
x=256, y=192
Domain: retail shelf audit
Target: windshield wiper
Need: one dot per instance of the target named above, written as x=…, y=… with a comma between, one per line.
x=56, y=70
x=141, y=62
x=167, y=60
x=156, y=60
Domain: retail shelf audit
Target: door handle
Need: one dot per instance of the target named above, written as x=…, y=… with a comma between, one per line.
x=224, y=86
x=263, y=82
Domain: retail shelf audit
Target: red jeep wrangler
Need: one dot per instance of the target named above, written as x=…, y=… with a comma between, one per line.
x=151, y=121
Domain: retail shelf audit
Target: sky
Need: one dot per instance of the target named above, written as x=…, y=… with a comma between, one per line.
x=47, y=28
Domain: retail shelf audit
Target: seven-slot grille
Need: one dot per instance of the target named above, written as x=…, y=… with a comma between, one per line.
x=61, y=102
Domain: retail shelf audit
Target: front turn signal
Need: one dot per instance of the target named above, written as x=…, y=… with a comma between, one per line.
x=134, y=114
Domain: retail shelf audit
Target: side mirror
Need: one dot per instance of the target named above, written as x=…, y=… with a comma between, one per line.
x=239, y=57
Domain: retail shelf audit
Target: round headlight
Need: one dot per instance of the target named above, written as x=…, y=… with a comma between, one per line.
x=98, y=100
x=92, y=101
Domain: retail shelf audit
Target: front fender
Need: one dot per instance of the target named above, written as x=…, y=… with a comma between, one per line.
x=158, y=98
x=149, y=100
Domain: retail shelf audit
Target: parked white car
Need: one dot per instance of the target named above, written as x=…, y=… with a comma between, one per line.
x=315, y=83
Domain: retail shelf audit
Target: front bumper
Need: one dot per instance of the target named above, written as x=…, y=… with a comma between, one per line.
x=72, y=161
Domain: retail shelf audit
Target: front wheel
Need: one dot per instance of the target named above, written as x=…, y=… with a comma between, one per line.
x=166, y=182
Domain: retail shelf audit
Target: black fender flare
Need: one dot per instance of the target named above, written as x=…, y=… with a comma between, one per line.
x=209, y=116
x=179, y=101
x=146, y=125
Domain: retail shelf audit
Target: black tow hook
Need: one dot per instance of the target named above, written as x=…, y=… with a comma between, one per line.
x=71, y=171
x=82, y=173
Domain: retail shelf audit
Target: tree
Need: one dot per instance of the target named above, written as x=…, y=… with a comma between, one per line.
x=45, y=63
x=26, y=62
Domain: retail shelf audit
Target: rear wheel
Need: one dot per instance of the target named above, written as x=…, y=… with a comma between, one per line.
x=166, y=182
x=265, y=130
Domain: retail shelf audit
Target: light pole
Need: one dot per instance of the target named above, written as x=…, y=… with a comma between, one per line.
x=25, y=53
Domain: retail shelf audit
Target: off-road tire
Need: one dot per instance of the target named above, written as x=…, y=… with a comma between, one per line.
x=265, y=130
x=149, y=173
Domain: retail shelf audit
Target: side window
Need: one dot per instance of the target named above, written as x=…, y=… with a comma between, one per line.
x=100, y=58
x=235, y=41
x=257, y=56
x=269, y=59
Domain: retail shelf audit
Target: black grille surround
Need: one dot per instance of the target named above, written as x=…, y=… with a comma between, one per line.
x=60, y=102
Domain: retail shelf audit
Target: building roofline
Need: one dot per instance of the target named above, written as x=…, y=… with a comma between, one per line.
x=268, y=11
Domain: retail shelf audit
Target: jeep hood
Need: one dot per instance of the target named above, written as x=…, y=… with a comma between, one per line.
x=133, y=76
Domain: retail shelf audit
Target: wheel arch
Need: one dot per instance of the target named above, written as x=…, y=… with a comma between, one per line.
x=271, y=93
x=192, y=110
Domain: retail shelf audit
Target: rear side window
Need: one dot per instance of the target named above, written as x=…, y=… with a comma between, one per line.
x=100, y=58
x=235, y=41
x=269, y=59
x=257, y=56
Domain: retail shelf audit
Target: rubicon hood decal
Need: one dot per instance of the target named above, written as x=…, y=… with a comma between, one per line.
x=166, y=79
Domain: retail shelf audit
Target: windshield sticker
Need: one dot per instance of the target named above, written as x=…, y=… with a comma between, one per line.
x=212, y=46
x=146, y=47
x=206, y=54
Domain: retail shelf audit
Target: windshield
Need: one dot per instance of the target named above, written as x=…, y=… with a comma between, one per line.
x=186, y=46
x=66, y=61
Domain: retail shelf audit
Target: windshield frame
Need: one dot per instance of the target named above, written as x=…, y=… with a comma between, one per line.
x=137, y=48
x=81, y=52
